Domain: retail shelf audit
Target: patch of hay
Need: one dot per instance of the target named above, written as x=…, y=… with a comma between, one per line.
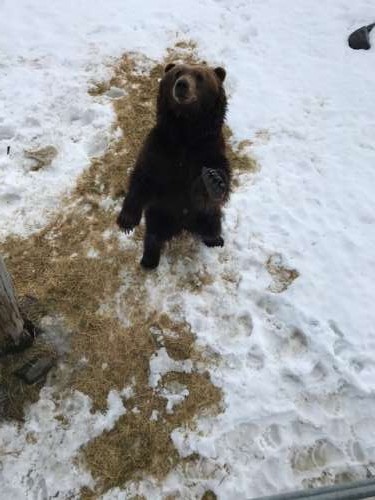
x=238, y=155
x=209, y=495
x=42, y=157
x=75, y=265
x=15, y=391
x=138, y=443
x=203, y=398
x=177, y=338
x=282, y=276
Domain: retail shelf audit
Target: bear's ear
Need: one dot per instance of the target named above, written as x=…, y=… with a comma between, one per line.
x=169, y=67
x=220, y=73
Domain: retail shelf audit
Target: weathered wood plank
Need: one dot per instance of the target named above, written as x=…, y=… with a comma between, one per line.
x=11, y=322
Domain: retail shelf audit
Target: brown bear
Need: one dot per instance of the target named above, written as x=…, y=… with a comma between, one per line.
x=182, y=177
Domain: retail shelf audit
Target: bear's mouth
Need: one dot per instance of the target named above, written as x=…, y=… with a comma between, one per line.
x=184, y=100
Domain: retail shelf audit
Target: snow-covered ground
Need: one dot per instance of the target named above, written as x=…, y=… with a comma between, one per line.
x=297, y=367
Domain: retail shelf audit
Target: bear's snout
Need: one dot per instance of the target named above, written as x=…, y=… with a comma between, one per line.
x=182, y=86
x=184, y=90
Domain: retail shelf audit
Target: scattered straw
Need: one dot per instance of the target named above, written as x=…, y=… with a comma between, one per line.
x=282, y=276
x=42, y=157
x=74, y=270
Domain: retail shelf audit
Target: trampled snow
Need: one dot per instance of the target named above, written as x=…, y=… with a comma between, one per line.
x=297, y=367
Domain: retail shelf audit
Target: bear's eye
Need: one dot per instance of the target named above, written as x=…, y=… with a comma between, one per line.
x=178, y=74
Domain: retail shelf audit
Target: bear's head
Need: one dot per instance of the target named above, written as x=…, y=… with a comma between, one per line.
x=192, y=90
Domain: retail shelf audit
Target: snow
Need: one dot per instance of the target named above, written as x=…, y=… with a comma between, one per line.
x=39, y=457
x=297, y=368
x=161, y=363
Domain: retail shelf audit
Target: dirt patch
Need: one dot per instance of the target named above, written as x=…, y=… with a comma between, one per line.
x=263, y=135
x=77, y=265
x=209, y=495
x=282, y=276
x=238, y=153
x=42, y=157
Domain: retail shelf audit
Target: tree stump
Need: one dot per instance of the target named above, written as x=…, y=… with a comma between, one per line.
x=11, y=322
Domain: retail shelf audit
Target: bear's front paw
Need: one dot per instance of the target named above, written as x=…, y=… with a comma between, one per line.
x=127, y=220
x=214, y=183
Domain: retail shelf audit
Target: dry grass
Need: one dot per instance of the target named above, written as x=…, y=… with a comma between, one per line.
x=14, y=390
x=138, y=444
x=17, y=393
x=282, y=276
x=42, y=157
x=209, y=495
x=54, y=265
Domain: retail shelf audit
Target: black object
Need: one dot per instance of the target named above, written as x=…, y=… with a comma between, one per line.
x=28, y=335
x=4, y=400
x=347, y=491
x=360, y=38
x=25, y=341
x=35, y=370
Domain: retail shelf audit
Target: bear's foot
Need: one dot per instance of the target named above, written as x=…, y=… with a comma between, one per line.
x=151, y=252
x=150, y=262
x=216, y=241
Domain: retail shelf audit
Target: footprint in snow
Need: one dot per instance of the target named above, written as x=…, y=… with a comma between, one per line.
x=7, y=132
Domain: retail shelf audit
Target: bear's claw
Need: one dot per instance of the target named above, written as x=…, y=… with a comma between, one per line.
x=128, y=220
x=214, y=242
x=214, y=183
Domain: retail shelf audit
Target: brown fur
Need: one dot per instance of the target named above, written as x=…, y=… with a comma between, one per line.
x=182, y=176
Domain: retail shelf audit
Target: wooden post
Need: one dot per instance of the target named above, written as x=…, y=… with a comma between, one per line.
x=11, y=322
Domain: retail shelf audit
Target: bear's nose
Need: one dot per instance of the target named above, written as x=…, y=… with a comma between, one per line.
x=182, y=86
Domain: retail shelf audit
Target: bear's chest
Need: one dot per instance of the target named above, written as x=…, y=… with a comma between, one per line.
x=179, y=176
x=184, y=168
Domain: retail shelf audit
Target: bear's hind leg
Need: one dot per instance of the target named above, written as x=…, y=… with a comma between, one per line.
x=208, y=226
x=151, y=251
x=160, y=227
